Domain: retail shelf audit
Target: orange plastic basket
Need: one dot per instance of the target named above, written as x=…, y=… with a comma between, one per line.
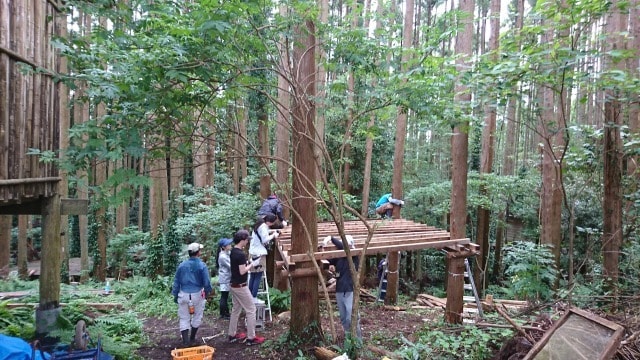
x=193, y=353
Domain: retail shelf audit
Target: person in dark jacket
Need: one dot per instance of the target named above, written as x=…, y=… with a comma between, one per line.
x=272, y=205
x=344, y=285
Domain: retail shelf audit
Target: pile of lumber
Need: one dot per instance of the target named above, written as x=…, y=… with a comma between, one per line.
x=431, y=301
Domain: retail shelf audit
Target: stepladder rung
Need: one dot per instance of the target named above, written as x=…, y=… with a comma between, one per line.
x=469, y=285
x=263, y=306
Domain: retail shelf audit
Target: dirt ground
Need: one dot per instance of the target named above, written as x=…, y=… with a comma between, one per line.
x=377, y=325
x=381, y=328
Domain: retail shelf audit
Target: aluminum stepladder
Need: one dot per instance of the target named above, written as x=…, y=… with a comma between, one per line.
x=264, y=290
x=470, y=285
x=382, y=285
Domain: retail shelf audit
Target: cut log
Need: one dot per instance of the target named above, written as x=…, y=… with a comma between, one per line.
x=324, y=354
x=380, y=351
x=393, y=308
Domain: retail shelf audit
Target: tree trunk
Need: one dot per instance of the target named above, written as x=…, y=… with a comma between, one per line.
x=398, y=156
x=283, y=119
x=612, y=143
x=264, y=154
x=304, y=293
x=486, y=159
x=460, y=151
x=23, y=248
x=5, y=243
x=51, y=255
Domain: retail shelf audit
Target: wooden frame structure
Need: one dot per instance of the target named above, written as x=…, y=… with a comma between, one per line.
x=578, y=321
x=388, y=236
x=34, y=114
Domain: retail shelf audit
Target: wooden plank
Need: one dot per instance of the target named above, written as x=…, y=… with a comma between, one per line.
x=97, y=306
x=378, y=250
x=383, y=240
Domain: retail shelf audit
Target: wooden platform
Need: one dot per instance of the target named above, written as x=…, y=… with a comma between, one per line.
x=33, y=267
x=386, y=236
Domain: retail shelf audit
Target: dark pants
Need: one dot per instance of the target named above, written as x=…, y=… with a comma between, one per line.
x=224, y=303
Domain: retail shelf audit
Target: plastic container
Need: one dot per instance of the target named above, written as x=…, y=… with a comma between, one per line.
x=193, y=353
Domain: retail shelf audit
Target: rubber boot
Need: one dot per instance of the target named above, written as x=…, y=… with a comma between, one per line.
x=194, y=331
x=185, y=337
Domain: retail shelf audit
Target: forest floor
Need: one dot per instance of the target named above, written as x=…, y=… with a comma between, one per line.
x=382, y=328
x=379, y=327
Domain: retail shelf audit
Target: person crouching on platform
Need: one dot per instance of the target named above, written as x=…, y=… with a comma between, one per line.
x=191, y=287
x=240, y=294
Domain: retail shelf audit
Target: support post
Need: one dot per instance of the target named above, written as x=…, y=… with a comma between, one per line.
x=455, y=290
x=49, y=305
x=393, y=265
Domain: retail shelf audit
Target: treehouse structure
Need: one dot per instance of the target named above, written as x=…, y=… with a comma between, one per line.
x=33, y=115
x=386, y=236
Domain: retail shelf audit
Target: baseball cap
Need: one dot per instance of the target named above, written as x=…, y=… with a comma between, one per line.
x=224, y=242
x=194, y=247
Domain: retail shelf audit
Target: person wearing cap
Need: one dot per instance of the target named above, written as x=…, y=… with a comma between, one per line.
x=224, y=275
x=344, y=284
x=240, y=294
x=384, y=206
x=272, y=205
x=191, y=287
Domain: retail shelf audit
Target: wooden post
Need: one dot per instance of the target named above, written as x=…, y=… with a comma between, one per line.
x=455, y=290
x=49, y=306
x=393, y=265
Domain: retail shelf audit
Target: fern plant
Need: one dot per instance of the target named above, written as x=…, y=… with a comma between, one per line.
x=531, y=269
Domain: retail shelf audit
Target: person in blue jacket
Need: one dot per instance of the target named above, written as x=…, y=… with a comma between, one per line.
x=191, y=287
x=384, y=206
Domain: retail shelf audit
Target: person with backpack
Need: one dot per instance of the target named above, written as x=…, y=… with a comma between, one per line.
x=261, y=236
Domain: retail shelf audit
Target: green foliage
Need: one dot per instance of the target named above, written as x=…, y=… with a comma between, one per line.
x=121, y=334
x=531, y=270
x=222, y=218
x=18, y=322
x=149, y=296
x=280, y=300
x=468, y=342
x=172, y=242
x=123, y=248
x=154, y=256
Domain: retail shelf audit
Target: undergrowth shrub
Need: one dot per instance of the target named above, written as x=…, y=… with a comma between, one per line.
x=467, y=342
x=531, y=270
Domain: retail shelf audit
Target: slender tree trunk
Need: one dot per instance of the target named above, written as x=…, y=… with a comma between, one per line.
x=283, y=118
x=5, y=243
x=366, y=182
x=393, y=259
x=486, y=160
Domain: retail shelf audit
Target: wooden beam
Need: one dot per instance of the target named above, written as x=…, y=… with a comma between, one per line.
x=382, y=240
x=378, y=250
